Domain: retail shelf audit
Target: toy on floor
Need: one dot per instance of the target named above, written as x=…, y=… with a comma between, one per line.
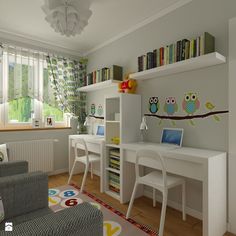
x=128, y=85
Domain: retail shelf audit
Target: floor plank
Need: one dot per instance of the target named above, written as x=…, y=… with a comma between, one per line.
x=142, y=211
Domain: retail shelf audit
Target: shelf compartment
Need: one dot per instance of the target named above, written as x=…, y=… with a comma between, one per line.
x=195, y=63
x=113, y=194
x=113, y=170
x=99, y=85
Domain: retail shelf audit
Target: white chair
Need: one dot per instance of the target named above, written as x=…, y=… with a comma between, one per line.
x=87, y=159
x=156, y=180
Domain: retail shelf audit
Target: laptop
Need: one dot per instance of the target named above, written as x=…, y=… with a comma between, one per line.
x=172, y=137
x=100, y=131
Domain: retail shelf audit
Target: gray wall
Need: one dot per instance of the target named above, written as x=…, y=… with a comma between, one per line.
x=211, y=84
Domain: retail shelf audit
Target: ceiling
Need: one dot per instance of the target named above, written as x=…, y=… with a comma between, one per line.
x=111, y=19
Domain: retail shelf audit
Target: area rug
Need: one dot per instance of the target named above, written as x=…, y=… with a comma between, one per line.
x=115, y=223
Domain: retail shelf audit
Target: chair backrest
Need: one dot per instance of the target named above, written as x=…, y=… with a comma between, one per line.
x=81, y=144
x=154, y=157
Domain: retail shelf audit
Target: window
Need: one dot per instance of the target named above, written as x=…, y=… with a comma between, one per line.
x=24, y=83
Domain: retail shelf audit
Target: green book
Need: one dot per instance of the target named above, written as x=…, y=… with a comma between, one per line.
x=207, y=43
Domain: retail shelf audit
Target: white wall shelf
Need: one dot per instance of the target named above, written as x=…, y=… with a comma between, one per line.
x=100, y=85
x=112, y=145
x=113, y=121
x=207, y=60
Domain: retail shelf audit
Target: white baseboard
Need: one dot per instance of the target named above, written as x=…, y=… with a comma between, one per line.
x=175, y=205
x=65, y=170
x=57, y=172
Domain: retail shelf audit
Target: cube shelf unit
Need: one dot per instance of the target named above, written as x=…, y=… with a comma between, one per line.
x=195, y=63
x=126, y=129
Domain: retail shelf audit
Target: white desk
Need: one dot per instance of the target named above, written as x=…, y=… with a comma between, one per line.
x=94, y=144
x=207, y=166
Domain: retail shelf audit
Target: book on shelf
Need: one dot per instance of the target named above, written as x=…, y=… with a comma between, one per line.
x=181, y=50
x=113, y=73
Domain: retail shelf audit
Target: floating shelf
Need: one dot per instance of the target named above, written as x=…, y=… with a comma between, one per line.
x=113, y=121
x=195, y=63
x=98, y=86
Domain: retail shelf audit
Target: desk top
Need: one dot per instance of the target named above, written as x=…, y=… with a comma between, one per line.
x=88, y=138
x=182, y=153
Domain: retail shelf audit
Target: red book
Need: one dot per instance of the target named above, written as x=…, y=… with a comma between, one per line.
x=162, y=56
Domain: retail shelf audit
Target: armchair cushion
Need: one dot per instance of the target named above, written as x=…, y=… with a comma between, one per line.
x=3, y=153
x=24, y=193
x=13, y=168
x=83, y=219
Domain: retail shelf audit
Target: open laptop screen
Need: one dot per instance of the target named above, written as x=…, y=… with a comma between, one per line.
x=172, y=136
x=100, y=130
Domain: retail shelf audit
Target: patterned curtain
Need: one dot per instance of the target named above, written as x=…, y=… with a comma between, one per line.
x=66, y=76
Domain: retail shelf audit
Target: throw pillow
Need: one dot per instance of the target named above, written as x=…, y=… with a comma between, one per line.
x=1, y=210
x=3, y=153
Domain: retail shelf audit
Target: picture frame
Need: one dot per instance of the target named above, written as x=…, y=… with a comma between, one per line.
x=36, y=123
x=49, y=121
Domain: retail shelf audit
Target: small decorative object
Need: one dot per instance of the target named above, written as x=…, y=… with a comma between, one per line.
x=115, y=140
x=67, y=17
x=128, y=85
x=49, y=121
x=170, y=106
x=3, y=153
x=93, y=109
x=100, y=110
x=36, y=123
x=153, y=104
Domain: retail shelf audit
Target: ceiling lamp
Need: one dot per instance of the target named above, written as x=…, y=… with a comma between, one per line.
x=68, y=17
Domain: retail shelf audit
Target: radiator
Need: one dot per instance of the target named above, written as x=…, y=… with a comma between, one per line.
x=38, y=153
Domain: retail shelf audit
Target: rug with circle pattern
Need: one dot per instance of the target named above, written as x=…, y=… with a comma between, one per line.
x=115, y=223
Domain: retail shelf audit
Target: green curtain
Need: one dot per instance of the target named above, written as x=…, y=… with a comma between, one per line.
x=66, y=76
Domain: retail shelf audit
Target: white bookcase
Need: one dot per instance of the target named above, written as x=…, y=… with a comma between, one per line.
x=126, y=128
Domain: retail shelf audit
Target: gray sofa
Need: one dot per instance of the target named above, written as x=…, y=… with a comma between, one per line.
x=25, y=198
x=13, y=168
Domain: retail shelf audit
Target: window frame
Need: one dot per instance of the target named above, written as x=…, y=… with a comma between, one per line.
x=37, y=105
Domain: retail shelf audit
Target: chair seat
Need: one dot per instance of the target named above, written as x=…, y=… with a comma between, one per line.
x=92, y=158
x=155, y=179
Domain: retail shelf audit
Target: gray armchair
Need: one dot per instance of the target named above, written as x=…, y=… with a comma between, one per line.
x=25, y=199
x=13, y=168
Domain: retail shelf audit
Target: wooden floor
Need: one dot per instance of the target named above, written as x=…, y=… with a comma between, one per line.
x=142, y=211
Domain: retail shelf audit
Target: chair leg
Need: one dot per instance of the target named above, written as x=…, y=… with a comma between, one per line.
x=184, y=200
x=132, y=200
x=163, y=213
x=154, y=197
x=84, y=178
x=71, y=173
x=91, y=170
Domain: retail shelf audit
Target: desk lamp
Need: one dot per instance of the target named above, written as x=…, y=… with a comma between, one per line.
x=143, y=126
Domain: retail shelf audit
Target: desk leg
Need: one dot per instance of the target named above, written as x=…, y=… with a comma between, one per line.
x=214, y=197
x=102, y=163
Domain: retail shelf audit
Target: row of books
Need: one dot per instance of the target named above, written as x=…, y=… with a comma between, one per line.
x=114, y=182
x=181, y=50
x=113, y=73
x=114, y=159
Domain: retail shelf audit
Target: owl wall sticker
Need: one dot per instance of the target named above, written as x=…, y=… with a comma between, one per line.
x=93, y=109
x=170, y=106
x=100, y=110
x=154, y=104
x=190, y=103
